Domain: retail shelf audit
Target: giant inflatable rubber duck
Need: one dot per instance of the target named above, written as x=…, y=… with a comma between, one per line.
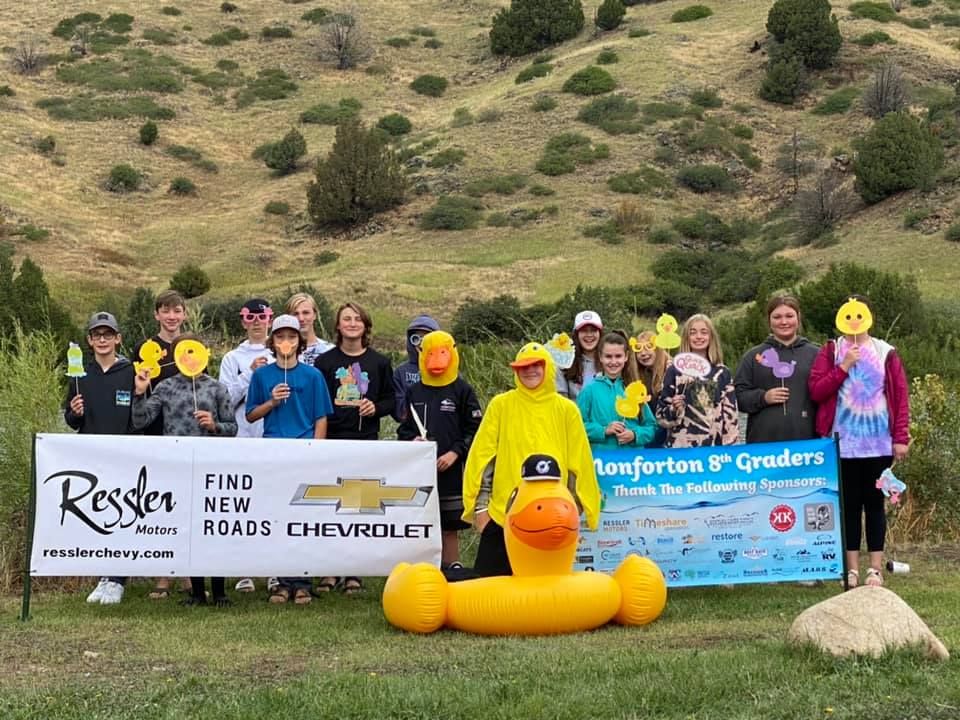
x=543, y=596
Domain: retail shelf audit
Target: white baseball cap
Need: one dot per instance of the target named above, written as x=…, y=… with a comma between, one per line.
x=587, y=317
x=285, y=321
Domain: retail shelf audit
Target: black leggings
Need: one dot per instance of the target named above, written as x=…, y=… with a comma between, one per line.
x=861, y=497
x=216, y=588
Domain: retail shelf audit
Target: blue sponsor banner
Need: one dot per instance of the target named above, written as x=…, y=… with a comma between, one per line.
x=764, y=512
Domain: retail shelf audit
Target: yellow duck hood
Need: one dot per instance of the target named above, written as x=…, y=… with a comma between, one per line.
x=536, y=352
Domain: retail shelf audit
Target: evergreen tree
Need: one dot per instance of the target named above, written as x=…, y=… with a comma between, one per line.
x=609, y=15
x=809, y=27
x=282, y=156
x=531, y=25
x=898, y=153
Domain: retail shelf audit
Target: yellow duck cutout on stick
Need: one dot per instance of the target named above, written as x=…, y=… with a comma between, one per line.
x=561, y=349
x=150, y=356
x=191, y=357
x=439, y=359
x=628, y=406
x=667, y=337
x=544, y=596
x=854, y=318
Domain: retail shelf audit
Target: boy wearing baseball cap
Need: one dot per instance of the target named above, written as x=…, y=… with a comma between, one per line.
x=99, y=404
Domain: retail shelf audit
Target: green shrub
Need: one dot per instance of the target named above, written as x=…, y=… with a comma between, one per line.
x=325, y=257
x=395, y=124
x=118, y=23
x=282, y=156
x=608, y=232
x=398, y=42
x=837, y=103
x=360, y=177
x=184, y=152
x=423, y=31
x=123, y=178
x=324, y=114
x=691, y=13
x=217, y=80
x=564, y=152
x=952, y=233
x=190, y=280
x=914, y=217
x=499, y=184
x=182, y=186
x=707, y=227
x=706, y=178
x=876, y=37
x=452, y=213
x=159, y=37
x=921, y=3
x=447, y=158
x=785, y=79
x=515, y=218
x=32, y=233
x=809, y=28
x=916, y=23
x=644, y=180
x=170, y=10
x=544, y=103
x=277, y=207
x=614, y=114
x=226, y=37
x=430, y=85
x=742, y=131
x=706, y=98
x=946, y=19
x=228, y=65
x=607, y=57
x=227, y=7
x=541, y=190
x=665, y=155
x=6, y=91
x=639, y=32
x=270, y=84
x=533, y=71
x=881, y=12
x=138, y=70
x=91, y=109
x=489, y=115
x=273, y=32
x=661, y=236
x=432, y=44
x=609, y=15
x=45, y=145
x=317, y=16
x=897, y=153
x=656, y=111
x=747, y=156
x=592, y=80
x=531, y=25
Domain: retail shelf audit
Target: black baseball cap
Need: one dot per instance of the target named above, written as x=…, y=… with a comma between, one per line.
x=540, y=467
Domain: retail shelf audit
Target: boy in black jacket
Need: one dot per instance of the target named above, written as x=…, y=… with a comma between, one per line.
x=443, y=407
x=99, y=403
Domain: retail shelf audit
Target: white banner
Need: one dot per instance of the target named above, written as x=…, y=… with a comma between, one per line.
x=152, y=506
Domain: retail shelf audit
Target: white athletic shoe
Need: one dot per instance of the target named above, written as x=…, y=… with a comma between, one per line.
x=112, y=593
x=97, y=595
x=272, y=584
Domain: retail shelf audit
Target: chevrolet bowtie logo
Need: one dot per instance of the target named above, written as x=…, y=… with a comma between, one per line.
x=361, y=495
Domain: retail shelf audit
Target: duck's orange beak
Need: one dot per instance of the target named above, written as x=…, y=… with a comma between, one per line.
x=546, y=524
x=438, y=360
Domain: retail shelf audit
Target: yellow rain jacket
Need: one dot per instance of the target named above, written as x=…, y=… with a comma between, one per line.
x=520, y=423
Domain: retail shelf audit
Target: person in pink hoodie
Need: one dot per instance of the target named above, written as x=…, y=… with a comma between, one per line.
x=860, y=387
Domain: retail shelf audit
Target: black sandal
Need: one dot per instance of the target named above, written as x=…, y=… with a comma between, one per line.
x=351, y=586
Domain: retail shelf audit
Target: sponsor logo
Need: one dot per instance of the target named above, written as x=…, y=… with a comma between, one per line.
x=609, y=543
x=691, y=539
x=122, y=398
x=448, y=405
x=823, y=543
x=664, y=540
x=755, y=572
x=795, y=541
x=610, y=555
x=754, y=553
x=828, y=555
x=618, y=526
x=584, y=558
x=720, y=537
x=637, y=541
x=661, y=523
x=819, y=569
x=362, y=495
x=673, y=574
x=779, y=555
x=725, y=522
x=818, y=517
x=803, y=555
x=783, y=518
x=727, y=556
x=690, y=550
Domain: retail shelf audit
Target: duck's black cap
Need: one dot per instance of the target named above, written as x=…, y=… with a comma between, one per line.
x=540, y=467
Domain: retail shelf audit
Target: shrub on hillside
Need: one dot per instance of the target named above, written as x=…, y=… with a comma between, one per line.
x=499, y=319
x=276, y=31
x=123, y=178
x=564, y=152
x=592, y=80
x=282, y=156
x=897, y=153
x=837, y=102
x=691, y=13
x=360, y=176
x=875, y=37
x=533, y=71
x=607, y=57
x=447, y=158
x=707, y=228
x=706, y=178
x=148, y=133
x=531, y=25
x=182, y=186
x=887, y=91
x=430, y=85
x=952, y=233
x=609, y=15
x=277, y=207
x=614, y=114
x=452, y=213
x=644, y=180
x=544, y=103
x=324, y=114
x=809, y=28
x=785, y=79
x=317, y=16
x=821, y=206
x=395, y=124
x=190, y=281
x=499, y=184
x=881, y=12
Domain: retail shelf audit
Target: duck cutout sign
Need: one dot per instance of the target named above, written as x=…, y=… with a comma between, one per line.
x=561, y=349
x=667, y=337
x=891, y=486
x=191, y=358
x=150, y=356
x=75, y=364
x=692, y=365
x=782, y=370
x=635, y=395
x=544, y=596
x=854, y=318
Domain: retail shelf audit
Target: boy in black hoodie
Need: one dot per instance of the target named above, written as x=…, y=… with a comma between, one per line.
x=408, y=373
x=99, y=403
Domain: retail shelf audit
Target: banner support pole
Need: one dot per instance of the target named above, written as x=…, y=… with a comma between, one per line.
x=843, y=525
x=31, y=522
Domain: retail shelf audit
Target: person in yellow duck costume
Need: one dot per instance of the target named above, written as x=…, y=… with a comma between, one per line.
x=544, y=596
x=532, y=418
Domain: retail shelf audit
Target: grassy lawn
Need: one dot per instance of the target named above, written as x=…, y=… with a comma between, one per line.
x=713, y=654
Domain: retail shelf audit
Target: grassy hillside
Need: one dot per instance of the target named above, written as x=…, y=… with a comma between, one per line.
x=103, y=241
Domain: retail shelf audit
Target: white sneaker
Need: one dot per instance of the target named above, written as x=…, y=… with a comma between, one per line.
x=272, y=584
x=112, y=593
x=97, y=595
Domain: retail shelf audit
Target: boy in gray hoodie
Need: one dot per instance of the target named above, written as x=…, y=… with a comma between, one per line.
x=408, y=373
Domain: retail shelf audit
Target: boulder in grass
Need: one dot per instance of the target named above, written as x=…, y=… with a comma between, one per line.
x=865, y=621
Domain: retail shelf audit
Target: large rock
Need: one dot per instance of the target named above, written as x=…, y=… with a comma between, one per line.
x=865, y=621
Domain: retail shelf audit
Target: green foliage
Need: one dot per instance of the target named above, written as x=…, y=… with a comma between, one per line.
x=541, y=190
x=160, y=37
x=499, y=319
x=192, y=156
x=916, y=23
x=45, y=145
x=190, y=280
x=879, y=11
x=277, y=207
x=429, y=85
x=226, y=37
x=123, y=178
x=66, y=28
x=317, y=16
x=533, y=71
x=515, y=218
x=720, y=277
x=324, y=114
x=432, y=44
x=661, y=236
x=462, y=117
x=423, y=31
x=282, y=156
x=614, y=114
x=656, y=111
x=273, y=32
x=607, y=57
x=360, y=176
x=912, y=218
x=952, y=233
x=609, y=15
x=946, y=19
x=217, y=80
x=785, y=79
x=6, y=91
x=706, y=98
x=227, y=7
x=182, y=186
x=531, y=25
x=707, y=228
x=171, y=10
x=742, y=131
x=325, y=257
x=706, y=178
x=897, y=153
x=447, y=158
x=691, y=13
x=544, y=103
x=808, y=28
x=270, y=84
x=499, y=184
x=639, y=32
x=137, y=70
x=228, y=65
x=398, y=42
x=838, y=102
x=875, y=37
x=643, y=181
x=395, y=124
x=608, y=232
x=86, y=108
x=452, y=212
x=564, y=152
x=592, y=80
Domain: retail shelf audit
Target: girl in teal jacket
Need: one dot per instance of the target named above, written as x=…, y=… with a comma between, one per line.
x=597, y=402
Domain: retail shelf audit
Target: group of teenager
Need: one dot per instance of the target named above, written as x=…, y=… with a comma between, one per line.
x=283, y=381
